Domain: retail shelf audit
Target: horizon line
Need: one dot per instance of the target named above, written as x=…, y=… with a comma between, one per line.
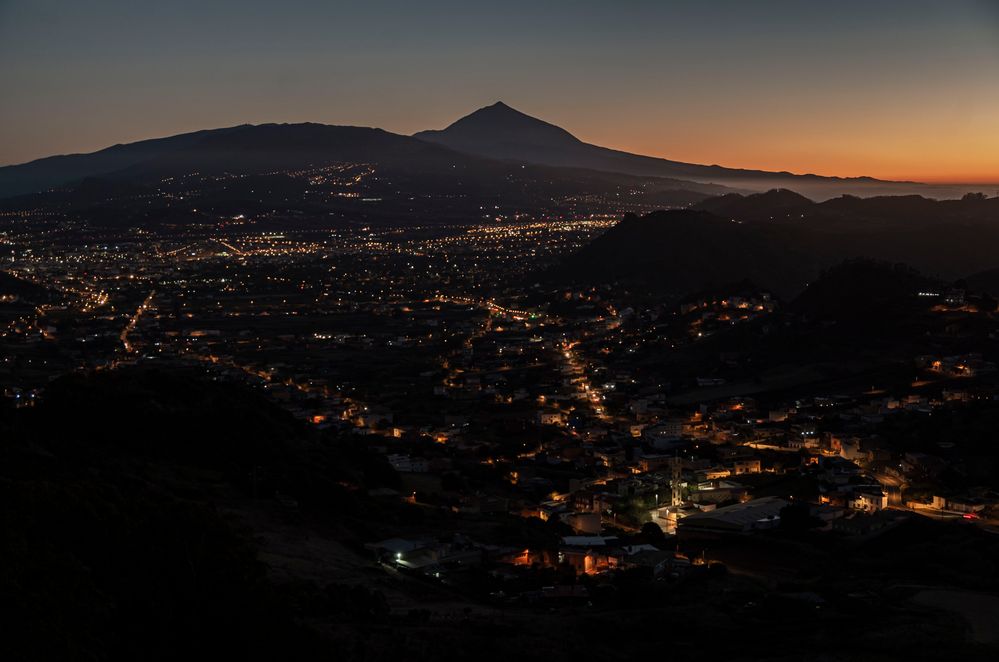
x=899, y=179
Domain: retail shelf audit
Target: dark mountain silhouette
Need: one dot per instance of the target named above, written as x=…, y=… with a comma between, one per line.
x=910, y=210
x=941, y=238
x=265, y=168
x=11, y=285
x=781, y=241
x=779, y=203
x=121, y=548
x=862, y=306
x=55, y=171
x=906, y=211
x=498, y=131
x=861, y=291
x=272, y=148
x=986, y=282
x=677, y=252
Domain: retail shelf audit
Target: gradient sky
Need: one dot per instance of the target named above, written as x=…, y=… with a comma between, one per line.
x=903, y=90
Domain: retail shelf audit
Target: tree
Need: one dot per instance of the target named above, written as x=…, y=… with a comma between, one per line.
x=797, y=517
x=653, y=533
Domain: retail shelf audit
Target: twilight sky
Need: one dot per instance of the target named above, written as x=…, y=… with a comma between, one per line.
x=905, y=89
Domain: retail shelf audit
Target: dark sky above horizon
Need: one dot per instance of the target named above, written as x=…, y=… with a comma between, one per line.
x=905, y=89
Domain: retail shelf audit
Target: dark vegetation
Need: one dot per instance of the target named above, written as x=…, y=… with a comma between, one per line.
x=113, y=547
x=671, y=253
x=782, y=241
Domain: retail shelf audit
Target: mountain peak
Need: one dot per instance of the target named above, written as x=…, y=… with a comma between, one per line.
x=777, y=202
x=500, y=131
x=499, y=112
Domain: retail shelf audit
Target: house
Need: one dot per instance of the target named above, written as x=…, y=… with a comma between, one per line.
x=427, y=554
x=659, y=562
x=746, y=466
x=584, y=522
x=717, y=491
x=868, y=499
x=712, y=473
x=667, y=518
x=669, y=429
x=551, y=418
x=589, y=554
x=850, y=449
x=958, y=504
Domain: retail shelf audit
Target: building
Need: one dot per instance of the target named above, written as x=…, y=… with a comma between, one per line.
x=746, y=466
x=868, y=499
x=408, y=464
x=551, y=418
x=585, y=522
x=739, y=518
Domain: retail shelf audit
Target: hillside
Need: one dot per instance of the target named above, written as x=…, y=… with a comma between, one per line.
x=327, y=173
x=773, y=205
x=122, y=492
x=420, y=167
x=781, y=241
x=52, y=171
x=677, y=252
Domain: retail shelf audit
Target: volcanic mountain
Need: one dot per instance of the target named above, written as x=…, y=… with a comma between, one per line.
x=52, y=171
x=420, y=166
x=501, y=132
x=494, y=133
x=319, y=171
x=245, y=149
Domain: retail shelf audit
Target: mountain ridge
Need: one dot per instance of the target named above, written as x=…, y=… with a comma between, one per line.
x=781, y=241
x=496, y=132
x=257, y=148
x=486, y=132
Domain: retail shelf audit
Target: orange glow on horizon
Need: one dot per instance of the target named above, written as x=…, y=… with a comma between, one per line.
x=887, y=167
x=933, y=141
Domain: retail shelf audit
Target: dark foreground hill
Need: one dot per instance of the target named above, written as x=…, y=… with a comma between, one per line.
x=121, y=542
x=673, y=253
x=114, y=547
x=898, y=212
x=781, y=241
x=13, y=287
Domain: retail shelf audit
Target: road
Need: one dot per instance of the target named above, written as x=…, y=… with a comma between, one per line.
x=133, y=321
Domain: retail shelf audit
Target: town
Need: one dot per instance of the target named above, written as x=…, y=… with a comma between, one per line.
x=631, y=436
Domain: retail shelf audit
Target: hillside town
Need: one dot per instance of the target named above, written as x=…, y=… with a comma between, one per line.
x=636, y=436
